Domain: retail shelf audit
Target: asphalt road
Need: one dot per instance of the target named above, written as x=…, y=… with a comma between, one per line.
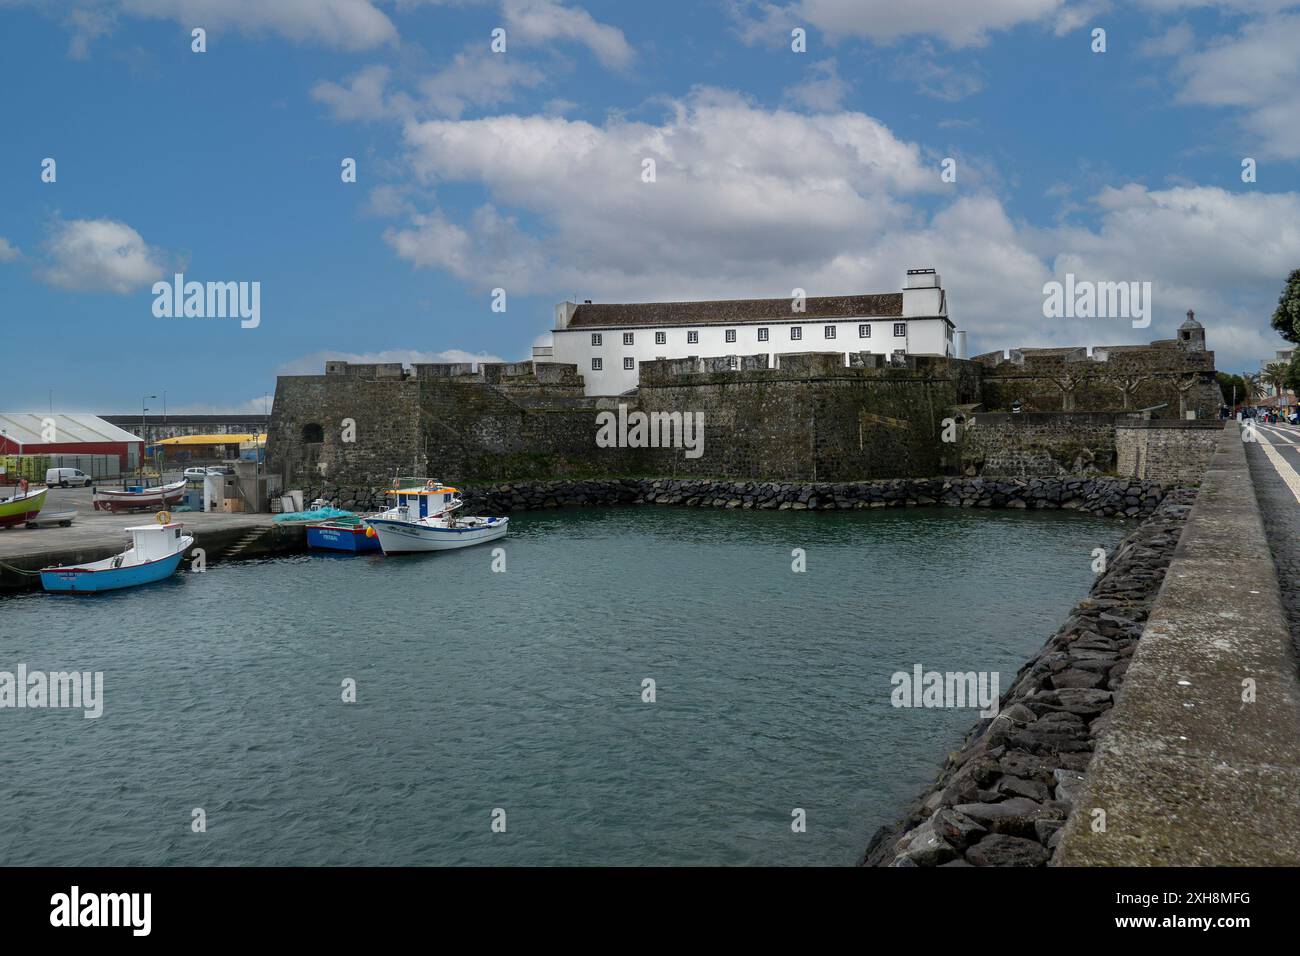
x=1274, y=457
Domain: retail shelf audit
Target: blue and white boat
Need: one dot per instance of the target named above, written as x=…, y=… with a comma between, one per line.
x=155, y=553
x=424, y=519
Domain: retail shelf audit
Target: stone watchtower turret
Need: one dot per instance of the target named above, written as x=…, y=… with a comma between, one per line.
x=1191, y=334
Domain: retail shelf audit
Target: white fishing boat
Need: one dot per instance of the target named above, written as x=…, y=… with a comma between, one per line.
x=155, y=553
x=424, y=519
x=138, y=497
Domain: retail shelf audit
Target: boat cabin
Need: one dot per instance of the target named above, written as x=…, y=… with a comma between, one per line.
x=423, y=498
x=154, y=541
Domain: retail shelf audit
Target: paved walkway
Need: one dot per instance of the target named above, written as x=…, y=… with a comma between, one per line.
x=1274, y=459
x=100, y=533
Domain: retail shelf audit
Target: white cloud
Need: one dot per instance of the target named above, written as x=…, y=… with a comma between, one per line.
x=343, y=24
x=959, y=24
x=8, y=252
x=754, y=202
x=739, y=191
x=475, y=77
x=923, y=67
x=363, y=97
x=100, y=255
x=346, y=24
x=1257, y=72
x=540, y=21
x=823, y=91
x=314, y=363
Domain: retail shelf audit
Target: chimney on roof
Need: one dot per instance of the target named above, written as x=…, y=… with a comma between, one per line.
x=923, y=295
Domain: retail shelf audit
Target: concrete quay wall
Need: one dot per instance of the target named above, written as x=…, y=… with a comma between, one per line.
x=1200, y=762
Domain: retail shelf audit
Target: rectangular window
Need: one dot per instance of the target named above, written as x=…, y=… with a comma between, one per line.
x=900, y=328
x=692, y=338
x=661, y=338
x=830, y=331
x=762, y=335
x=627, y=338
x=595, y=338
x=731, y=335
x=864, y=331
x=595, y=365
x=796, y=333
x=629, y=363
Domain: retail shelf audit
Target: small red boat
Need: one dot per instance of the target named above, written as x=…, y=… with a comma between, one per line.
x=138, y=498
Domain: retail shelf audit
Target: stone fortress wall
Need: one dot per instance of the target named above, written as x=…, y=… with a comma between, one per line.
x=811, y=418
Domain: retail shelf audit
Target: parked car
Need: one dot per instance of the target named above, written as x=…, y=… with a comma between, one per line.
x=220, y=470
x=67, y=478
x=192, y=473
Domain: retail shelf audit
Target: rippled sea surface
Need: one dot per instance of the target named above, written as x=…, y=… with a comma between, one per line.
x=522, y=691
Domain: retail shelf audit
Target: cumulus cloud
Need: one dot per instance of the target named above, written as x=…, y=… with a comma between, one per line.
x=750, y=201
x=8, y=251
x=100, y=255
x=314, y=362
x=739, y=191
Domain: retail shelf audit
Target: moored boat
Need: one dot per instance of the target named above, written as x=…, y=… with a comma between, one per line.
x=155, y=553
x=23, y=506
x=424, y=519
x=136, y=498
x=348, y=534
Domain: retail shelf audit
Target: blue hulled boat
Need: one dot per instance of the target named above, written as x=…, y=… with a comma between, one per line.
x=155, y=553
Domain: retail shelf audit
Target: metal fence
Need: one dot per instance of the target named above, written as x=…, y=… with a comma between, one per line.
x=33, y=467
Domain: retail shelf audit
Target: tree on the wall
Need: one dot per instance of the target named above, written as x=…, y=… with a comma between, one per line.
x=1286, y=319
x=1128, y=383
x=1069, y=383
x=1185, y=384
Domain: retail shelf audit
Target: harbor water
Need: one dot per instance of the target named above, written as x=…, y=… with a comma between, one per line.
x=521, y=695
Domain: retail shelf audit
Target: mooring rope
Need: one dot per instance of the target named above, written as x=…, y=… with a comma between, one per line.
x=10, y=567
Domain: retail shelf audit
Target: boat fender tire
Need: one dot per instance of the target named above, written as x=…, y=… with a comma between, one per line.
x=163, y=517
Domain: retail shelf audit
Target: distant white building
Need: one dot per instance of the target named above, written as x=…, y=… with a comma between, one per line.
x=608, y=342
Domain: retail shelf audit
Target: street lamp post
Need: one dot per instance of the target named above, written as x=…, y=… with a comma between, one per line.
x=143, y=440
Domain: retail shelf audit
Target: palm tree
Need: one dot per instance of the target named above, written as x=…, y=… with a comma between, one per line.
x=1255, y=385
x=1275, y=375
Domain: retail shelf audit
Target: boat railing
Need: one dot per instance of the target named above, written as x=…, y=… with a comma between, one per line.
x=410, y=483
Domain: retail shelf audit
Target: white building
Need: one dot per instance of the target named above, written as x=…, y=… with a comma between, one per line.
x=608, y=342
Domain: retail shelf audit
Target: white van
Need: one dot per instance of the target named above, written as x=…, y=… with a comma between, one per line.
x=67, y=478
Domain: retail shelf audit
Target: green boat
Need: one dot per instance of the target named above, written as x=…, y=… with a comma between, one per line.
x=22, y=507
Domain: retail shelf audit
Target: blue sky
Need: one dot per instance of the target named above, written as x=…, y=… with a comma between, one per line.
x=522, y=170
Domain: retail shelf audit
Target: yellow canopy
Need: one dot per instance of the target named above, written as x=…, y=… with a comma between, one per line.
x=231, y=439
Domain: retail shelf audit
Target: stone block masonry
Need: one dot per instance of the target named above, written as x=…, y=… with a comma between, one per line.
x=1039, y=443
x=1073, y=443
x=1176, y=451
x=813, y=418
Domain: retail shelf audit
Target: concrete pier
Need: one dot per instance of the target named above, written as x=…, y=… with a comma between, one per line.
x=1201, y=762
x=95, y=535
